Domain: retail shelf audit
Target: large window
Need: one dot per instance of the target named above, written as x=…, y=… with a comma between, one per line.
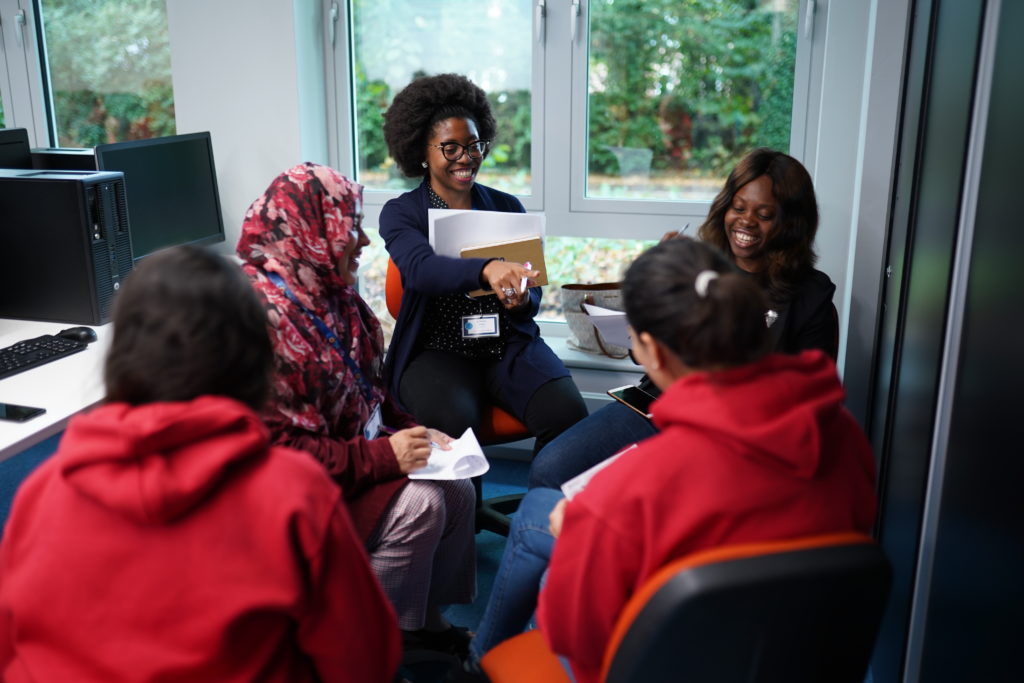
x=108, y=69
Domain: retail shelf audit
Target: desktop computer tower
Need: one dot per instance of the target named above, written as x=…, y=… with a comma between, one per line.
x=66, y=245
x=64, y=158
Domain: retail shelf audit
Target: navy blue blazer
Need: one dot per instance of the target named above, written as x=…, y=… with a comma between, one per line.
x=527, y=363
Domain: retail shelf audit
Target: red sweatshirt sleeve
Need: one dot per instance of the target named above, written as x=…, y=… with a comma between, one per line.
x=355, y=464
x=350, y=629
x=591, y=576
x=6, y=636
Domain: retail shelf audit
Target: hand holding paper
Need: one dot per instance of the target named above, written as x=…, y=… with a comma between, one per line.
x=463, y=460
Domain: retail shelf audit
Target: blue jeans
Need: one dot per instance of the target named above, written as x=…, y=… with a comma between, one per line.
x=593, y=439
x=523, y=564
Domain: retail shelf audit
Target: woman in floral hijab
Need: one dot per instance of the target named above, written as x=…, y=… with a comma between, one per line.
x=300, y=244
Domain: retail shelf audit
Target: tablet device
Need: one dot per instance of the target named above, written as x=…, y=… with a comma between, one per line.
x=634, y=398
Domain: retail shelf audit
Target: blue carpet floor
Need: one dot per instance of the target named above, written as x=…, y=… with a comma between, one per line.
x=14, y=470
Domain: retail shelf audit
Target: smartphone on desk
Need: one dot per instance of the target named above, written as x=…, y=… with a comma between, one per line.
x=633, y=397
x=16, y=413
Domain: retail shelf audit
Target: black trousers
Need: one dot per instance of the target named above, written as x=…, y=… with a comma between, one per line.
x=449, y=392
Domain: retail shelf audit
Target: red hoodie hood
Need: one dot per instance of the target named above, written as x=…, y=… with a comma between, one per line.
x=775, y=408
x=156, y=462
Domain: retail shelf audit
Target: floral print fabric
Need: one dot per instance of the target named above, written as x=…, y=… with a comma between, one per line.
x=299, y=229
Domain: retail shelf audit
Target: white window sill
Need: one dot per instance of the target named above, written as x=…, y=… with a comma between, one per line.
x=574, y=358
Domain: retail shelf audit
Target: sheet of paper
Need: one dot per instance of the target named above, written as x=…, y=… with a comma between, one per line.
x=465, y=459
x=612, y=325
x=452, y=230
x=580, y=481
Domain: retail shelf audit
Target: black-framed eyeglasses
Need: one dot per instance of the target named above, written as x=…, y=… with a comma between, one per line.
x=453, y=151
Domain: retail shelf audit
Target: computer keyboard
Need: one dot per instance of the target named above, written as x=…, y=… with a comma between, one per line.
x=31, y=353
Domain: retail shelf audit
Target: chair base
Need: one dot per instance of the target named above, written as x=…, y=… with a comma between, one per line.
x=494, y=514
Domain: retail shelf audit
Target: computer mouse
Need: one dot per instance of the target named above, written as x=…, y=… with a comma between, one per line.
x=86, y=335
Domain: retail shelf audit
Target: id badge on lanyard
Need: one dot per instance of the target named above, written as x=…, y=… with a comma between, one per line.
x=477, y=326
x=374, y=424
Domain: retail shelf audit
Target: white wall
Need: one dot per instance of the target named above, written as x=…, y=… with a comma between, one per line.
x=236, y=71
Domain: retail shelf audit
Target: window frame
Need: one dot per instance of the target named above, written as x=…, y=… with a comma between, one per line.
x=560, y=63
x=343, y=152
x=22, y=84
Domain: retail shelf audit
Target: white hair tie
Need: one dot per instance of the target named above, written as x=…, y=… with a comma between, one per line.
x=700, y=285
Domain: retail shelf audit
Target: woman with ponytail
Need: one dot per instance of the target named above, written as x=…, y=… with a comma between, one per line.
x=751, y=446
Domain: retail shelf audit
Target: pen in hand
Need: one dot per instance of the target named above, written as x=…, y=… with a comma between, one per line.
x=522, y=284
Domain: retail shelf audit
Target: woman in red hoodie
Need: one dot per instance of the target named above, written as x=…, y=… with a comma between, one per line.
x=167, y=539
x=751, y=446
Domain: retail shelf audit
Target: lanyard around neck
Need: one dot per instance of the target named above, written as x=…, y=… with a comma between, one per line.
x=327, y=334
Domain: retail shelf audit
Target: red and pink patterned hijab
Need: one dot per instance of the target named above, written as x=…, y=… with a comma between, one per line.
x=299, y=229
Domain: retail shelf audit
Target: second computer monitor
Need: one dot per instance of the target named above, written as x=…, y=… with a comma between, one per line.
x=171, y=188
x=14, y=149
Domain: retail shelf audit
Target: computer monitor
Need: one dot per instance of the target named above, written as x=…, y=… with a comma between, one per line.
x=14, y=148
x=170, y=188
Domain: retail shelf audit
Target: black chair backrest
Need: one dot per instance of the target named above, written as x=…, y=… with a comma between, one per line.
x=803, y=616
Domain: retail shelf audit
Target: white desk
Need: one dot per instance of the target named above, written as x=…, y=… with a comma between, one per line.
x=63, y=387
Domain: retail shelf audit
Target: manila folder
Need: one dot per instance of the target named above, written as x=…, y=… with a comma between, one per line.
x=528, y=249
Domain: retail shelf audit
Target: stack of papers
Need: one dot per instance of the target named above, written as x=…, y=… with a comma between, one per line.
x=452, y=230
x=580, y=481
x=611, y=325
x=465, y=459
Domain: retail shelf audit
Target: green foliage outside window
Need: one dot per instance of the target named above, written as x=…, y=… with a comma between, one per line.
x=119, y=87
x=698, y=81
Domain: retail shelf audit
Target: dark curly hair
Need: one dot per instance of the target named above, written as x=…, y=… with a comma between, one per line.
x=188, y=323
x=789, y=251
x=415, y=110
x=723, y=327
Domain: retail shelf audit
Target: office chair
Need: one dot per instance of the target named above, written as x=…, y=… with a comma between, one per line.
x=497, y=426
x=803, y=610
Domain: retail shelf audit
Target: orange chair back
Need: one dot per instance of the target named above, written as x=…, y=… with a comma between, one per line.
x=393, y=289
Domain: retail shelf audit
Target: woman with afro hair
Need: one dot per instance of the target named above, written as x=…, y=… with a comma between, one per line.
x=439, y=128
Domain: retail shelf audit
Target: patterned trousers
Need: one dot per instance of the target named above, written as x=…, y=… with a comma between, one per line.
x=424, y=549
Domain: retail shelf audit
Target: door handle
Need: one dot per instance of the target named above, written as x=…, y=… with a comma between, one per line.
x=540, y=13
x=19, y=27
x=574, y=20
